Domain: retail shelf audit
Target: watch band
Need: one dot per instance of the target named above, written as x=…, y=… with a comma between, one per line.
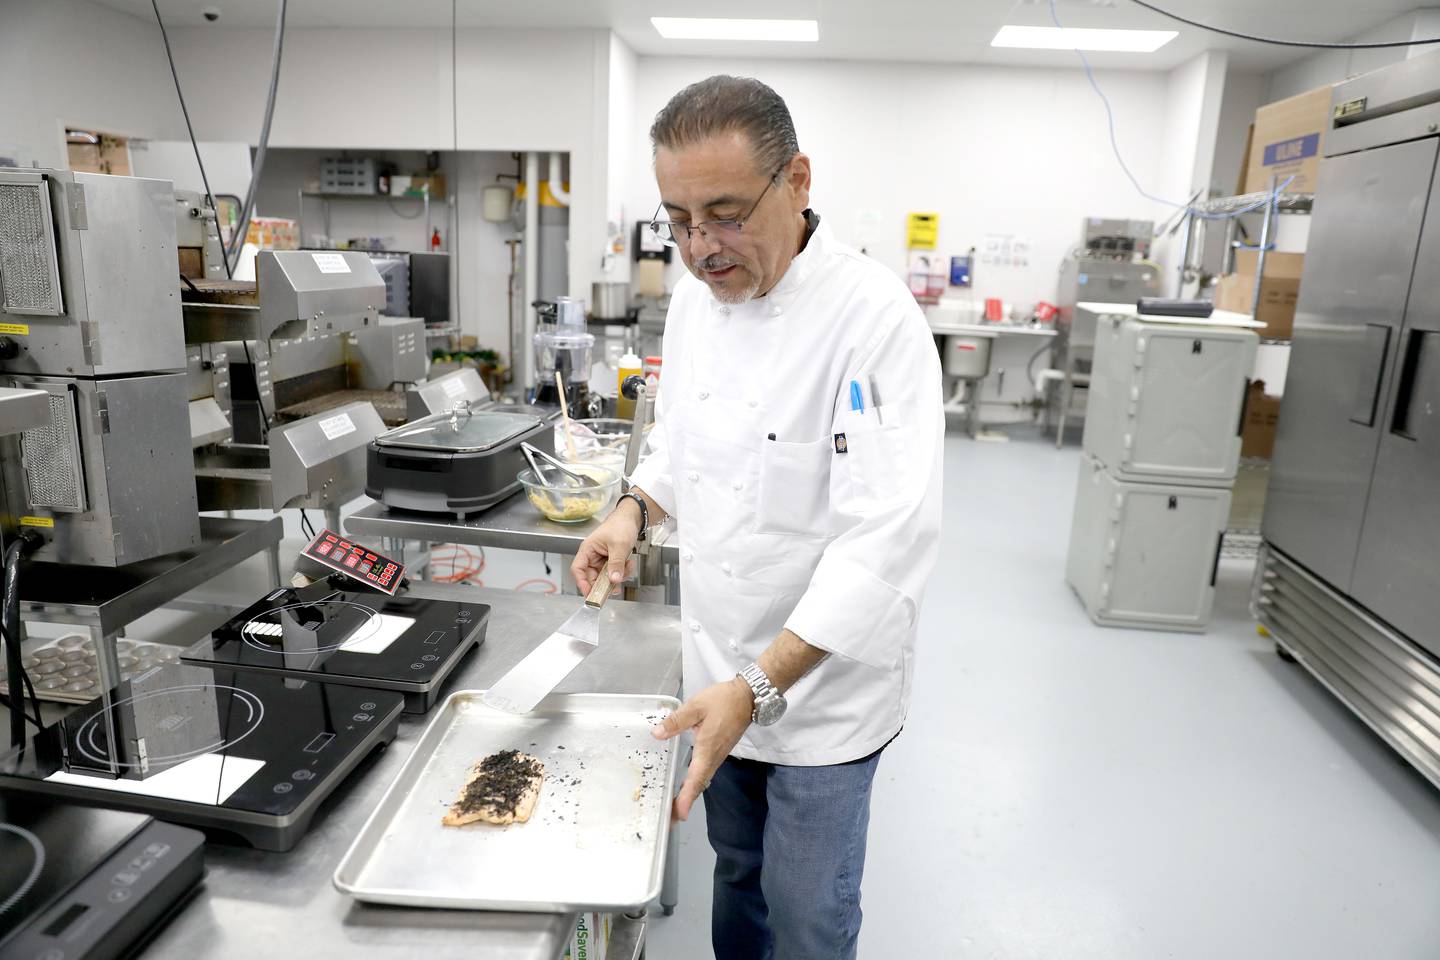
x=760, y=684
x=644, y=512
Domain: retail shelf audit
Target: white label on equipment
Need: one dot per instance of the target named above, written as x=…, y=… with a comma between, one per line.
x=331, y=262
x=454, y=387
x=337, y=426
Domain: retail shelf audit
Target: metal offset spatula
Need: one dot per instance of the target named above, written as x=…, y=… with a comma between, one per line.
x=558, y=655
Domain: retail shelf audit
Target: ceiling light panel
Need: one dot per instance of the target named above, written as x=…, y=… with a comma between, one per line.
x=1082, y=38
x=716, y=28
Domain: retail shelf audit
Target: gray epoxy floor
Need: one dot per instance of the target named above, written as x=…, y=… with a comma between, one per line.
x=1066, y=791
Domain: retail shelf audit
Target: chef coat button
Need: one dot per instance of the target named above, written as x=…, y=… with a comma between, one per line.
x=754, y=403
x=734, y=645
x=725, y=568
x=724, y=311
x=704, y=395
x=687, y=556
x=738, y=485
x=694, y=626
x=694, y=477
x=774, y=311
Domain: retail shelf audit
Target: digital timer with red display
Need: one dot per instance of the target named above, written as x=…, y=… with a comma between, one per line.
x=355, y=561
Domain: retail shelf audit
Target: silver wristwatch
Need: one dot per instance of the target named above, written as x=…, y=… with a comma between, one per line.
x=769, y=704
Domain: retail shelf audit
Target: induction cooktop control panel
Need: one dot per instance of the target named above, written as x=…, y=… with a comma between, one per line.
x=120, y=901
x=357, y=562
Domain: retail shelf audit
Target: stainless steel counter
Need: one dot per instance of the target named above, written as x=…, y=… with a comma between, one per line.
x=513, y=524
x=257, y=904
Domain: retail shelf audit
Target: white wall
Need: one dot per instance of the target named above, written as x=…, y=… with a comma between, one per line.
x=75, y=63
x=992, y=149
x=227, y=165
x=621, y=157
x=1332, y=66
x=1193, y=94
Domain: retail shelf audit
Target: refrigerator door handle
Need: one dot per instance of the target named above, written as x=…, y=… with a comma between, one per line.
x=1377, y=345
x=1414, y=349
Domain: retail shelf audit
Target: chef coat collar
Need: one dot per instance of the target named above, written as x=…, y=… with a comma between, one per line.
x=818, y=239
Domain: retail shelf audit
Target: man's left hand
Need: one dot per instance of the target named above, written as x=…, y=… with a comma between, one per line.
x=719, y=715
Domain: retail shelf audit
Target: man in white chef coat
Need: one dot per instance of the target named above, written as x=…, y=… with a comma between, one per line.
x=799, y=445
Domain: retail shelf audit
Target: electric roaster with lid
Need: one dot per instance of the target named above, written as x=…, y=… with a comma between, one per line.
x=459, y=462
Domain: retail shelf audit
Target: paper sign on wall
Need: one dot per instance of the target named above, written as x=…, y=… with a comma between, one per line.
x=1005, y=250
x=922, y=230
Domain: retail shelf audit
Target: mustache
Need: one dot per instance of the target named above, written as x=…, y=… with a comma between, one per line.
x=717, y=261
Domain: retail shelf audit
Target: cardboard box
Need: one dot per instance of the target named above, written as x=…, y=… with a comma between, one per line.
x=1262, y=416
x=1289, y=139
x=421, y=182
x=1244, y=173
x=1278, y=294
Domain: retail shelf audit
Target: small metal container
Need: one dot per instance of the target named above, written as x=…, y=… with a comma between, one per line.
x=609, y=301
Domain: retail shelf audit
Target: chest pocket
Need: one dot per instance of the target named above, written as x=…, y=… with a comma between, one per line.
x=877, y=464
x=793, y=496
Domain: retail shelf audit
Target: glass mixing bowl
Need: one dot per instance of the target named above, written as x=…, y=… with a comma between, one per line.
x=573, y=504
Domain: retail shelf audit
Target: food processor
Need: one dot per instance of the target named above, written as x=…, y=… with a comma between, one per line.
x=563, y=344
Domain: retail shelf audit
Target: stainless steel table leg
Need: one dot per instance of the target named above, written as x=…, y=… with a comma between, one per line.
x=973, y=408
x=670, y=884
x=273, y=552
x=107, y=663
x=672, y=584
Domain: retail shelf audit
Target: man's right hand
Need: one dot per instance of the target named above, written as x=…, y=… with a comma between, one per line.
x=606, y=552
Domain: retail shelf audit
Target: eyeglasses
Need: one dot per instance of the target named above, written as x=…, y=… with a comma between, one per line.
x=722, y=231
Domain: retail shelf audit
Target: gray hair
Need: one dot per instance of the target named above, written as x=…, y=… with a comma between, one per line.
x=722, y=104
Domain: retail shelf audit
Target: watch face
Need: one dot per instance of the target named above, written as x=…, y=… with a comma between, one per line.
x=769, y=710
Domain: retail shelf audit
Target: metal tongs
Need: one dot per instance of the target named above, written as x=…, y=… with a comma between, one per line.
x=567, y=477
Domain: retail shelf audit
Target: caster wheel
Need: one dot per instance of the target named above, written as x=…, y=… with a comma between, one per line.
x=1284, y=654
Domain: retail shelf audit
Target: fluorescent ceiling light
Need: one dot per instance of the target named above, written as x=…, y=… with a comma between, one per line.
x=1082, y=38
x=716, y=28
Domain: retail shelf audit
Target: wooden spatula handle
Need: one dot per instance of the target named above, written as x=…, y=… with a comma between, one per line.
x=600, y=590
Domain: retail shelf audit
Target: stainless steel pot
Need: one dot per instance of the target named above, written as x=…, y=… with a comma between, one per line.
x=609, y=301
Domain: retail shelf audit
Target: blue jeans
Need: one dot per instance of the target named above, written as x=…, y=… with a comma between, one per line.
x=789, y=853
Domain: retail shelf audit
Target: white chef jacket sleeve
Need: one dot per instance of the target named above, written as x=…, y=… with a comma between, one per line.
x=885, y=495
x=652, y=473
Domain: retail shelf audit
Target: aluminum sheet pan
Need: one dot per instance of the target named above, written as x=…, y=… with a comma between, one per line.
x=596, y=840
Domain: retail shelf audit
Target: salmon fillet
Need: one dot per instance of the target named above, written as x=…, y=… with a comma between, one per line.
x=502, y=788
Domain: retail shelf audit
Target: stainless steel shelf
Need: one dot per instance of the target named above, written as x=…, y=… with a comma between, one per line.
x=365, y=196
x=514, y=524
x=1285, y=203
x=1240, y=545
x=111, y=598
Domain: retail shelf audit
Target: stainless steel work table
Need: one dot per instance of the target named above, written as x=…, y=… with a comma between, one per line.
x=257, y=904
x=513, y=524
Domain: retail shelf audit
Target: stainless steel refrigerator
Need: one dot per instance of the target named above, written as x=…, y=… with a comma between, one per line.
x=1349, y=582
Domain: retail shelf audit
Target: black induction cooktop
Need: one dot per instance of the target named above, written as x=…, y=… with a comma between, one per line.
x=244, y=753
x=85, y=884
x=356, y=638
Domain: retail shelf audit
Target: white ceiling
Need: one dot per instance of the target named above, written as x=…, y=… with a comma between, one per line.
x=909, y=30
